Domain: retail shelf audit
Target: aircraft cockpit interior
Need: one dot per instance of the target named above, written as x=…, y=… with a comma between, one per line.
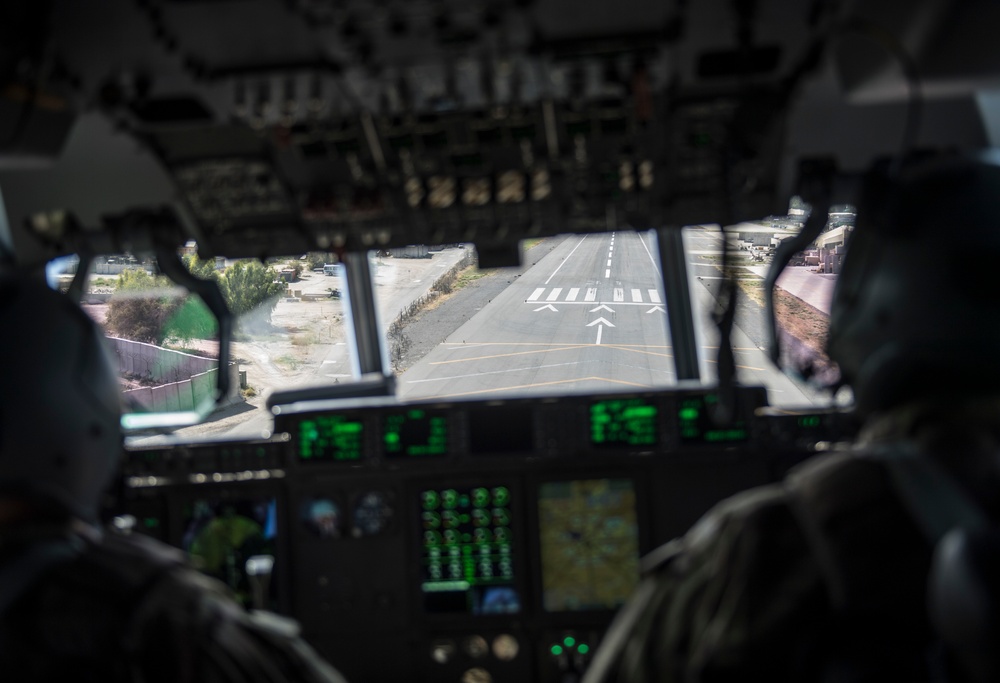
x=433, y=318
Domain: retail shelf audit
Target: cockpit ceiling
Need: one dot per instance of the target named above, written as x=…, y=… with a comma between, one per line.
x=277, y=127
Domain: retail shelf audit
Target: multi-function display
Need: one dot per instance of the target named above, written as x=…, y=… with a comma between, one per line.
x=467, y=555
x=415, y=433
x=502, y=430
x=234, y=540
x=589, y=537
x=626, y=422
x=325, y=438
x=696, y=425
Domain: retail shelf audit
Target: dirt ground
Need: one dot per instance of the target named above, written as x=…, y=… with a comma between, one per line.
x=306, y=342
x=301, y=335
x=801, y=320
x=804, y=322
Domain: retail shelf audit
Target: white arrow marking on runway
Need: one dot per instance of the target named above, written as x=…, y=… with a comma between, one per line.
x=547, y=306
x=654, y=309
x=601, y=321
x=609, y=310
x=600, y=332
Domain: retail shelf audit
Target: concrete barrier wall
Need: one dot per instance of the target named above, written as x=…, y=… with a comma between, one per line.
x=116, y=268
x=184, y=395
x=156, y=363
x=184, y=380
x=412, y=251
x=166, y=397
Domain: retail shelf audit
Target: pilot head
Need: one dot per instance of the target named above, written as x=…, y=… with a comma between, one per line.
x=916, y=310
x=59, y=404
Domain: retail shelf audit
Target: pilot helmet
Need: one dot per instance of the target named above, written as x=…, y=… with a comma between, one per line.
x=916, y=308
x=60, y=440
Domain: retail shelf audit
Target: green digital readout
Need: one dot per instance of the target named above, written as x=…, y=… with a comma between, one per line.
x=624, y=422
x=467, y=561
x=809, y=421
x=696, y=425
x=415, y=433
x=331, y=438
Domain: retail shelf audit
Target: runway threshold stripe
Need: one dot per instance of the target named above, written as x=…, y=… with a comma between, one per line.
x=535, y=294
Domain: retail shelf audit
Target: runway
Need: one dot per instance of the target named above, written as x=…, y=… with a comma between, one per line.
x=588, y=317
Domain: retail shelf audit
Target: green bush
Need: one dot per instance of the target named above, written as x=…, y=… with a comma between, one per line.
x=191, y=320
x=136, y=311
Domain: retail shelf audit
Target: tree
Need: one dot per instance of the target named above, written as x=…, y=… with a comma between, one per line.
x=139, y=313
x=316, y=259
x=252, y=291
x=201, y=268
x=136, y=311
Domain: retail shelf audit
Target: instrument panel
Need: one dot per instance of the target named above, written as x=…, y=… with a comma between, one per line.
x=466, y=540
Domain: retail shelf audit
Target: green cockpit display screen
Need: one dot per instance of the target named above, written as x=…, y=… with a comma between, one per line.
x=696, y=424
x=327, y=438
x=415, y=433
x=623, y=422
x=467, y=556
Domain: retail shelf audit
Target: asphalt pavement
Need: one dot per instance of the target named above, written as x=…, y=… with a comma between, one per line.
x=588, y=317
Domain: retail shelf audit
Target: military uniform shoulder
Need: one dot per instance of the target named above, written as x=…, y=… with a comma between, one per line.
x=115, y=547
x=763, y=506
x=838, y=483
x=830, y=483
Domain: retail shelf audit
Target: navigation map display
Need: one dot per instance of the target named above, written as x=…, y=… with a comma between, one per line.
x=589, y=544
x=222, y=536
x=467, y=561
